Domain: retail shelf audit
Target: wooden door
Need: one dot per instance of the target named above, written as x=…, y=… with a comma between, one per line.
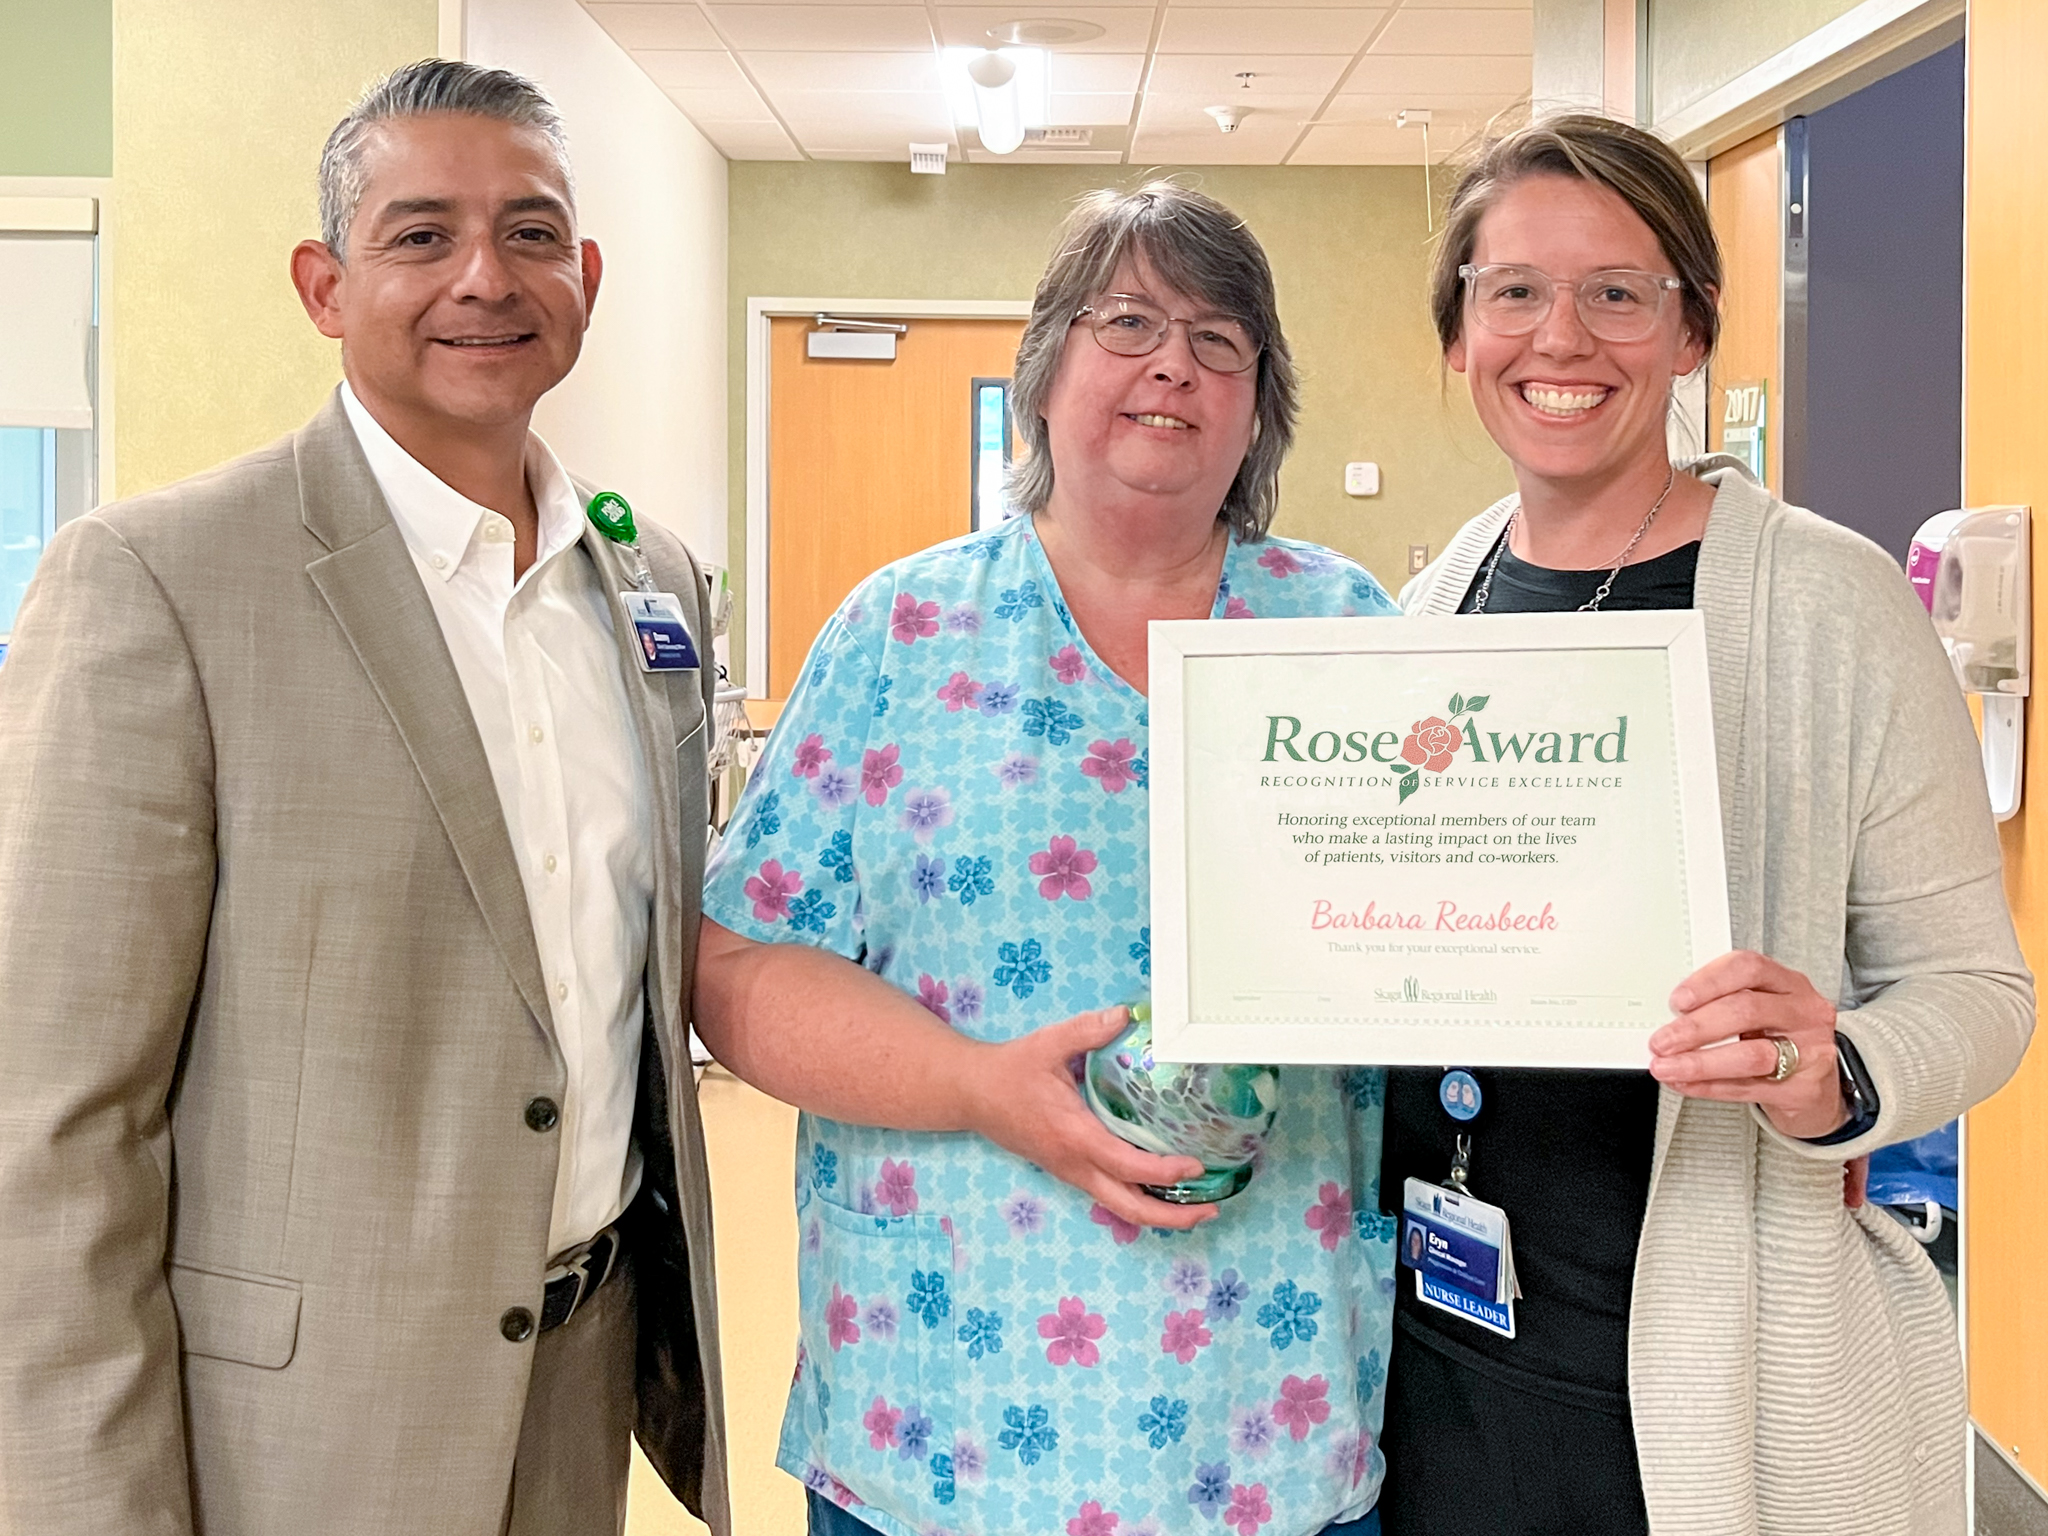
x=2005, y=459
x=868, y=461
x=1745, y=196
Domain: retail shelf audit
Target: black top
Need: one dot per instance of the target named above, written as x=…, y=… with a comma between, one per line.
x=1565, y=1153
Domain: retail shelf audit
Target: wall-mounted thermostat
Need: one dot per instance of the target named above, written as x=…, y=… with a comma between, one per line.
x=1361, y=479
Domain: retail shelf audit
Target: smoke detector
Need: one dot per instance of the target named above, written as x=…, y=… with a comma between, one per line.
x=1043, y=32
x=1227, y=118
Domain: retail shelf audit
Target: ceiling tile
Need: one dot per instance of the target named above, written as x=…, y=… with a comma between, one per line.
x=1370, y=144
x=1460, y=109
x=806, y=28
x=1091, y=109
x=1048, y=157
x=735, y=104
x=691, y=69
x=852, y=119
x=1206, y=29
x=750, y=141
x=780, y=72
x=1126, y=29
x=1382, y=74
x=1457, y=32
x=1279, y=120
x=1096, y=71
x=1215, y=76
x=1466, y=5
x=655, y=26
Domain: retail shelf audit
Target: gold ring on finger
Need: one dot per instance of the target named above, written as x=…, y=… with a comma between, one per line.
x=1788, y=1058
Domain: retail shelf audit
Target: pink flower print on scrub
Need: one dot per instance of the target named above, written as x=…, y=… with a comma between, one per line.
x=1184, y=1335
x=897, y=1187
x=1112, y=763
x=880, y=773
x=1238, y=608
x=912, y=621
x=1249, y=1509
x=811, y=756
x=1301, y=1404
x=932, y=993
x=1093, y=1520
x=960, y=692
x=1330, y=1215
x=1282, y=563
x=1073, y=1330
x=1123, y=1231
x=840, y=1311
x=1068, y=665
x=771, y=889
x=1066, y=868
x=881, y=1423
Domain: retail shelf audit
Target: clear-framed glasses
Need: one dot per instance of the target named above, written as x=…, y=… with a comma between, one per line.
x=1616, y=305
x=1131, y=327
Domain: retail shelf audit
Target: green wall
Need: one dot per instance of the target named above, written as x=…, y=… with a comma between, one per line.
x=1349, y=248
x=1698, y=46
x=56, y=87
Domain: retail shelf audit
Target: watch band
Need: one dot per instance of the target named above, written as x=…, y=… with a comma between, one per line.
x=1858, y=1092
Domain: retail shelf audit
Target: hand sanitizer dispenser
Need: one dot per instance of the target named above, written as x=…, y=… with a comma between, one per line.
x=1981, y=600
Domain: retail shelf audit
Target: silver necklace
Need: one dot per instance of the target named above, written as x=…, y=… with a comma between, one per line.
x=1486, y=582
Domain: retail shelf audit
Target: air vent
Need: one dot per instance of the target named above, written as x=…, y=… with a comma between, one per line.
x=1059, y=138
x=928, y=159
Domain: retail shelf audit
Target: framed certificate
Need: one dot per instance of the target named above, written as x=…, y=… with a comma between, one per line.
x=1477, y=841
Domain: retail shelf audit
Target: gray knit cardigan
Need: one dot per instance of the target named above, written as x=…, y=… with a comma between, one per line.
x=1794, y=1366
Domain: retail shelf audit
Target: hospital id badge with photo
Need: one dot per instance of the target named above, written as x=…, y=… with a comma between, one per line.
x=1459, y=1248
x=660, y=636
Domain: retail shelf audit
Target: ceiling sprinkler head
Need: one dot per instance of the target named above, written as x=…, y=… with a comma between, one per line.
x=1227, y=118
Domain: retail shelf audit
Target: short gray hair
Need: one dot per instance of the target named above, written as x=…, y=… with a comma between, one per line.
x=1200, y=247
x=431, y=85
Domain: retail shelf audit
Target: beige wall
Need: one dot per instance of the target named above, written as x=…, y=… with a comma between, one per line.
x=1348, y=246
x=644, y=412
x=1698, y=46
x=220, y=110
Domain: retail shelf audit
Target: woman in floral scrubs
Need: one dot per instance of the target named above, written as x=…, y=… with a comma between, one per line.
x=934, y=895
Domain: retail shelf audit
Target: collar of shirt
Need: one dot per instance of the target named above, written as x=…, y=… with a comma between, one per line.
x=439, y=524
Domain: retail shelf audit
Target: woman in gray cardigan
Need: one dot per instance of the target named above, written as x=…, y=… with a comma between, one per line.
x=1716, y=1336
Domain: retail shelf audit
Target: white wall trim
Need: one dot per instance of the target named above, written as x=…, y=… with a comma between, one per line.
x=46, y=193
x=1861, y=45
x=759, y=312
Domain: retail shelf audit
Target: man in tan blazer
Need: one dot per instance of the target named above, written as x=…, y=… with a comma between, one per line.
x=351, y=1178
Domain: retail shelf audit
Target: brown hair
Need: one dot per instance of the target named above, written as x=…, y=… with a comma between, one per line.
x=1200, y=247
x=1636, y=165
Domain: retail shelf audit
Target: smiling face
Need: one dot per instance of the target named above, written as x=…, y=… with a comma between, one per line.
x=466, y=293
x=1160, y=428
x=1565, y=406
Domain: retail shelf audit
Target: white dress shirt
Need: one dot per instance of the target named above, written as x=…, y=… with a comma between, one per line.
x=541, y=670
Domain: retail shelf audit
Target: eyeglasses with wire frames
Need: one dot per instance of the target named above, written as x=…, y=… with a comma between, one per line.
x=1132, y=327
x=1619, y=304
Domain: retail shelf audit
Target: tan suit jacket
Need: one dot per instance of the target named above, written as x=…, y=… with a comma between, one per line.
x=271, y=1014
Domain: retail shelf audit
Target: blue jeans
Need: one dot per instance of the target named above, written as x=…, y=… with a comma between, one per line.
x=828, y=1519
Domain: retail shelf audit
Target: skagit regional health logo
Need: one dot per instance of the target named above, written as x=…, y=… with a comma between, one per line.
x=1431, y=744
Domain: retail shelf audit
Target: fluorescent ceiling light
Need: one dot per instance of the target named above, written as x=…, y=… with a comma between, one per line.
x=1028, y=86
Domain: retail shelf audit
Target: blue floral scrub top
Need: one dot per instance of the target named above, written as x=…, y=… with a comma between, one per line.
x=956, y=798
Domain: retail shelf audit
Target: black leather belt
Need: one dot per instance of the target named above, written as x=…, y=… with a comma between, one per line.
x=577, y=1278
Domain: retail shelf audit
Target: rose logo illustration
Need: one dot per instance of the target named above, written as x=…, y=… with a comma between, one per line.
x=1431, y=743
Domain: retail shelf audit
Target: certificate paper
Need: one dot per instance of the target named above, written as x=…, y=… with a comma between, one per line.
x=1482, y=841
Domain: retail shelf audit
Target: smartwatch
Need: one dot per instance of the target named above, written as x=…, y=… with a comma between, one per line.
x=1858, y=1092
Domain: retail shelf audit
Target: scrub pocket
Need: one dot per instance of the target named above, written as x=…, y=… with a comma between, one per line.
x=876, y=1299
